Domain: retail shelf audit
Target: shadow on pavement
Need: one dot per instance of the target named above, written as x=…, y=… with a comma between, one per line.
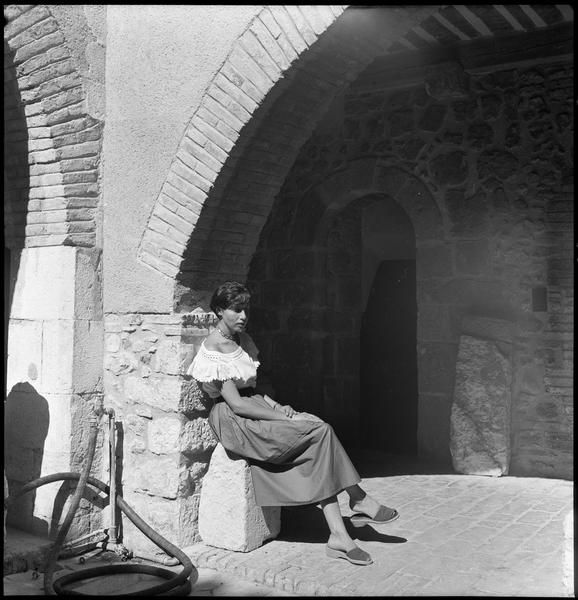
x=369, y=534
x=370, y=463
x=307, y=524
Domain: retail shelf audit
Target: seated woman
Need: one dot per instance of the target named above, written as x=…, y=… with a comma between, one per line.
x=295, y=457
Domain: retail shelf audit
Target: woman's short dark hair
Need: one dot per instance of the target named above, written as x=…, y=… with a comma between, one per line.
x=230, y=294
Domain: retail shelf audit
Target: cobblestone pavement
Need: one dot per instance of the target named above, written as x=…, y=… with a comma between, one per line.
x=207, y=582
x=456, y=535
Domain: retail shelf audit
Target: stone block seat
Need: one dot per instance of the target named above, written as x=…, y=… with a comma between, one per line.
x=228, y=514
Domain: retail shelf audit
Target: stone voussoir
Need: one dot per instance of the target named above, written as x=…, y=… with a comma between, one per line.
x=236, y=91
x=19, y=21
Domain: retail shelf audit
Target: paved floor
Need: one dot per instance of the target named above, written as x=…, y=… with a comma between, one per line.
x=205, y=581
x=457, y=535
x=25, y=556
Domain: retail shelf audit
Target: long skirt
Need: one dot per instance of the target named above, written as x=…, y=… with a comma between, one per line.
x=291, y=462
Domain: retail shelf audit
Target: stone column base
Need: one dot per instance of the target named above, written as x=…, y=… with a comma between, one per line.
x=228, y=514
x=53, y=377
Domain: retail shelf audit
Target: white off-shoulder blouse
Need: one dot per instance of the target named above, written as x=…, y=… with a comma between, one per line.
x=210, y=366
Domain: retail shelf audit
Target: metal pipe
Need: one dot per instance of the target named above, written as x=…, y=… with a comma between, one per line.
x=111, y=542
x=119, y=549
x=112, y=530
x=163, y=559
x=71, y=543
x=82, y=481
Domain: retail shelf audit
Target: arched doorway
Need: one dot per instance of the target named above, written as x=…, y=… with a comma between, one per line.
x=343, y=292
x=336, y=280
x=388, y=330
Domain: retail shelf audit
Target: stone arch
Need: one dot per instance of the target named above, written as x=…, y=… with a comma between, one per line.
x=311, y=51
x=316, y=283
x=274, y=39
x=52, y=144
x=368, y=181
x=374, y=175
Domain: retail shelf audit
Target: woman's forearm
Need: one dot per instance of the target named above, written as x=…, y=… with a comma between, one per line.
x=244, y=407
x=270, y=401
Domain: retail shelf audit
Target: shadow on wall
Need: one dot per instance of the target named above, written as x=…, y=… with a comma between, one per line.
x=119, y=458
x=16, y=193
x=26, y=421
x=16, y=184
x=16, y=154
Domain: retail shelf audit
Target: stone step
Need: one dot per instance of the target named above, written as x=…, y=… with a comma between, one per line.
x=24, y=551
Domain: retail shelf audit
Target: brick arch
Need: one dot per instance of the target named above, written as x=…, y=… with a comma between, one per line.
x=52, y=145
x=258, y=60
x=367, y=176
x=278, y=79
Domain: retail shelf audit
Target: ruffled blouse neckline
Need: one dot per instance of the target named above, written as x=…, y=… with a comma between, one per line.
x=220, y=354
x=239, y=365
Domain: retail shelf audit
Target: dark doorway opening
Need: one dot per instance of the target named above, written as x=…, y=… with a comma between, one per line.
x=388, y=369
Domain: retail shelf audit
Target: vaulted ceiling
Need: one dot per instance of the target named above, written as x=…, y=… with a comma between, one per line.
x=478, y=37
x=464, y=23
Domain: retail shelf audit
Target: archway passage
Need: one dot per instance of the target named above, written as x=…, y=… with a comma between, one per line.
x=335, y=299
x=272, y=90
x=388, y=369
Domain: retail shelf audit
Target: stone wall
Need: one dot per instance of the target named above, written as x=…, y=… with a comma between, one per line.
x=543, y=409
x=303, y=299
x=342, y=246
x=165, y=442
x=498, y=162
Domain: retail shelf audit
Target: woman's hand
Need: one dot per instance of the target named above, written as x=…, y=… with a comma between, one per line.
x=305, y=416
x=287, y=410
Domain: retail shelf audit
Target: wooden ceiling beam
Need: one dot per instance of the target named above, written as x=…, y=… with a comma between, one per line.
x=476, y=56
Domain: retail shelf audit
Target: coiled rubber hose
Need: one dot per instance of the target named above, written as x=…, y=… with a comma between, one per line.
x=63, y=531
x=176, y=584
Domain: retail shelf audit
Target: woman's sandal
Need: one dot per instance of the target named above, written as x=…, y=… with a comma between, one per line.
x=355, y=556
x=383, y=515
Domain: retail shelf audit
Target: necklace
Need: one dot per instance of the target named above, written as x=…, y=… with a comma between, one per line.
x=228, y=337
